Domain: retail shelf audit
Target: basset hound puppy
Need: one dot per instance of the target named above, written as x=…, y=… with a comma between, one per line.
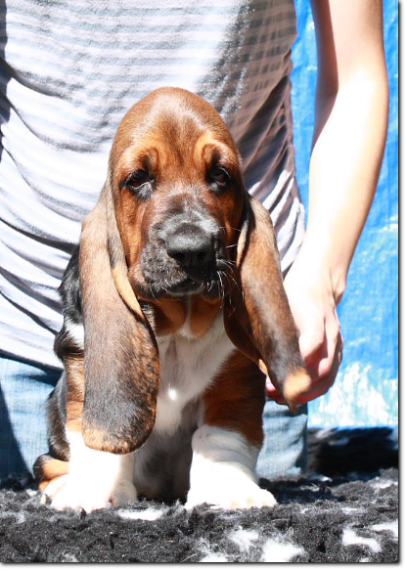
x=174, y=311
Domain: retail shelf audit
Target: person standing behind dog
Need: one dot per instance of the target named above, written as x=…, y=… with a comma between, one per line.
x=69, y=72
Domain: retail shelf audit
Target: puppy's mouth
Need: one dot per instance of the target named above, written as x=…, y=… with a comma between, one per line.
x=212, y=286
x=188, y=283
x=155, y=285
x=186, y=286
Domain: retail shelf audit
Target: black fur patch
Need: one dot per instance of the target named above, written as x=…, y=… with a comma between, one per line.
x=70, y=293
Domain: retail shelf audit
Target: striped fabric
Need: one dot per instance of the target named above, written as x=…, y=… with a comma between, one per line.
x=69, y=70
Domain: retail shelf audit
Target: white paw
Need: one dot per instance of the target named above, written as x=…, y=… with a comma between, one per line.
x=222, y=471
x=68, y=493
x=95, y=479
x=244, y=496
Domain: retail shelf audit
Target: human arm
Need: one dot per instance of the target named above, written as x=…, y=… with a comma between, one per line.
x=349, y=138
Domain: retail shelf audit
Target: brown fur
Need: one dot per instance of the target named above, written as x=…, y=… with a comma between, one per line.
x=50, y=469
x=236, y=399
x=74, y=367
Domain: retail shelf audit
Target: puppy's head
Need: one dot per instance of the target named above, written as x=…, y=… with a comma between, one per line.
x=176, y=178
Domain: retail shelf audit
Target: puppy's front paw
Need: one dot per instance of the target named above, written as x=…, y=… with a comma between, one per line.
x=228, y=495
x=67, y=493
x=222, y=471
x=95, y=479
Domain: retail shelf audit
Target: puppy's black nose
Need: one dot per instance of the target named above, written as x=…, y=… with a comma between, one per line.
x=190, y=248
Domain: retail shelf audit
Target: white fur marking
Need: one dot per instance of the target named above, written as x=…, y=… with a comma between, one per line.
x=222, y=471
x=76, y=332
x=188, y=366
x=94, y=478
x=173, y=394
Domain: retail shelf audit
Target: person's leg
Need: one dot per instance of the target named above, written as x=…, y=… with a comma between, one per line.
x=284, y=451
x=24, y=390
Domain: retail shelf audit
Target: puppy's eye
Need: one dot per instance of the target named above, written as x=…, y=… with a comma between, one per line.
x=138, y=178
x=219, y=175
x=139, y=182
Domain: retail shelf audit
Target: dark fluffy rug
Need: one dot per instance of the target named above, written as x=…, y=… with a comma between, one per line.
x=345, y=510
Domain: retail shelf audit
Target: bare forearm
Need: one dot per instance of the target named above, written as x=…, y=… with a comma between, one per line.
x=350, y=131
x=344, y=170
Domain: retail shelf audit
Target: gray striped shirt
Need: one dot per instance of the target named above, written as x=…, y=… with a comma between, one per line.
x=68, y=73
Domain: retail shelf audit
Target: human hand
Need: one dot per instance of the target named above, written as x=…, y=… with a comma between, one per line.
x=313, y=304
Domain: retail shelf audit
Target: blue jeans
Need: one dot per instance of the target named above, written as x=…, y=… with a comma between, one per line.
x=25, y=389
x=284, y=451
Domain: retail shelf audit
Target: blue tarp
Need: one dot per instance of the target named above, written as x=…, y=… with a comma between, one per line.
x=366, y=390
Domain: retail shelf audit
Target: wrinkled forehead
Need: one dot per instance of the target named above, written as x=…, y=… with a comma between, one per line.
x=175, y=124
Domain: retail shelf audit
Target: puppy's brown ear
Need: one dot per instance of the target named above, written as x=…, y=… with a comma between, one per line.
x=257, y=314
x=121, y=355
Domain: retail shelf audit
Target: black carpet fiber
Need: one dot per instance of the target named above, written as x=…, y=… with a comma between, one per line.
x=345, y=510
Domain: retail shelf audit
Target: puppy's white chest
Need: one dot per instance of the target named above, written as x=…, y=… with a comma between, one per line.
x=188, y=366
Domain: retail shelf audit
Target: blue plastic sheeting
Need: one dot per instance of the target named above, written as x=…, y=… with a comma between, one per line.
x=366, y=389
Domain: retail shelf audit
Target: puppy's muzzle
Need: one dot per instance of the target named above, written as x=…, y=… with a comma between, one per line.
x=191, y=247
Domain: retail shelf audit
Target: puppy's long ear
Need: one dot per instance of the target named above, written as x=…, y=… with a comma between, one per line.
x=121, y=355
x=257, y=314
